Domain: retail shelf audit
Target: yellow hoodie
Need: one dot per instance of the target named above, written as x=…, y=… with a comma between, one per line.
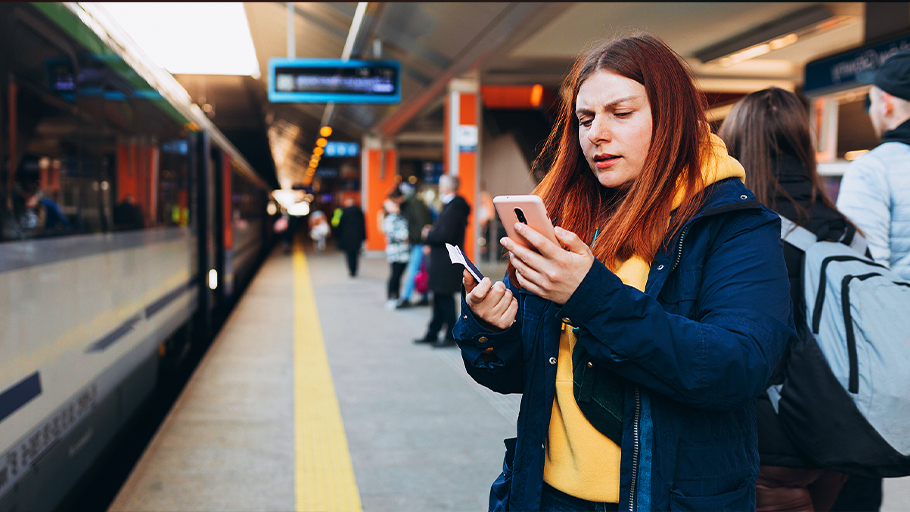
x=580, y=460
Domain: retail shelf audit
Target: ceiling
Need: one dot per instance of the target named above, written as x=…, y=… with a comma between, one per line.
x=510, y=43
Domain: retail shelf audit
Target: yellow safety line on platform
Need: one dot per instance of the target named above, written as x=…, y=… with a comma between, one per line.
x=324, y=476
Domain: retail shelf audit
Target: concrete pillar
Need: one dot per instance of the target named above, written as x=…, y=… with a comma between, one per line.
x=379, y=175
x=462, y=146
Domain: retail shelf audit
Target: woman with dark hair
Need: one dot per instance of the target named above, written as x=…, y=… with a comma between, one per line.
x=642, y=340
x=768, y=131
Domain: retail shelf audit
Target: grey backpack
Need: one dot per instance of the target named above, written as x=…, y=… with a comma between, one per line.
x=845, y=397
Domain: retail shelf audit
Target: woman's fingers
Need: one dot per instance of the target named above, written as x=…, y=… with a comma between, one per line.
x=468, y=281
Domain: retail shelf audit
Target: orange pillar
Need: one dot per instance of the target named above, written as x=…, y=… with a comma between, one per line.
x=462, y=128
x=379, y=175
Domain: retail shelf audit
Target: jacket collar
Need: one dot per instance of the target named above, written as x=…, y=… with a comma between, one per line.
x=899, y=134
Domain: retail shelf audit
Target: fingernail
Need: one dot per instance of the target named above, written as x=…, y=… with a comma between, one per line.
x=518, y=227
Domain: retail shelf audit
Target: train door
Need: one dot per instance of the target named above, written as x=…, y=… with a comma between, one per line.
x=216, y=199
x=208, y=233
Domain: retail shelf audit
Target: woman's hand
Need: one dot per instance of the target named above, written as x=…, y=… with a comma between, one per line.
x=492, y=303
x=552, y=272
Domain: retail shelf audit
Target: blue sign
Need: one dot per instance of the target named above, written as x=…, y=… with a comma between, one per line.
x=327, y=172
x=327, y=80
x=342, y=149
x=839, y=72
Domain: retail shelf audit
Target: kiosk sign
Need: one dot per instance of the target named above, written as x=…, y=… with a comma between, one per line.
x=840, y=71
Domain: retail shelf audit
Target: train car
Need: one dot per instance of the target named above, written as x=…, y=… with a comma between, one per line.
x=129, y=227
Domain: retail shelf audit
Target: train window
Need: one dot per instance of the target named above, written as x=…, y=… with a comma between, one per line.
x=62, y=134
x=173, y=187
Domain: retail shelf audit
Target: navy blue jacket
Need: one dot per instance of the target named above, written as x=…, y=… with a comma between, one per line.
x=697, y=348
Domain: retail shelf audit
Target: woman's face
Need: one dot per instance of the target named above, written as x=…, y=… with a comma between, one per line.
x=614, y=127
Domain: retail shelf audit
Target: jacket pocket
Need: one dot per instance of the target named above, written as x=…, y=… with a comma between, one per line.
x=682, y=286
x=742, y=498
x=502, y=486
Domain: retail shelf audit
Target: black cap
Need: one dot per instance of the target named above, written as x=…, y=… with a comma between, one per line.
x=892, y=76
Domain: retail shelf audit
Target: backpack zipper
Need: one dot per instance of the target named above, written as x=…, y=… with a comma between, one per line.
x=822, y=279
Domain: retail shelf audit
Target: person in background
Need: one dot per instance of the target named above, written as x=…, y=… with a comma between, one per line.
x=319, y=229
x=418, y=217
x=336, y=217
x=31, y=213
x=128, y=215
x=445, y=277
x=641, y=340
x=768, y=132
x=351, y=233
x=397, y=248
x=875, y=189
x=875, y=195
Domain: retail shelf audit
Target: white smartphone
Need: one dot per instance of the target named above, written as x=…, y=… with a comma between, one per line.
x=527, y=209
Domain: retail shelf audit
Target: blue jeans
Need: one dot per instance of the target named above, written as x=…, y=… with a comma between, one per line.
x=554, y=500
x=413, y=266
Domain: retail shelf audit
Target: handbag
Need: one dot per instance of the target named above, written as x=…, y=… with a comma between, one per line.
x=599, y=394
x=422, y=278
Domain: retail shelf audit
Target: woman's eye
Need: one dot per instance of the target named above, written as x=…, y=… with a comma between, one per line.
x=623, y=114
x=584, y=122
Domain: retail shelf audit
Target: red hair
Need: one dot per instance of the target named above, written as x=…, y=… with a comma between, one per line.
x=632, y=221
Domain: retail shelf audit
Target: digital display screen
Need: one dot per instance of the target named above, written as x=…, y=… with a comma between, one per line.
x=323, y=81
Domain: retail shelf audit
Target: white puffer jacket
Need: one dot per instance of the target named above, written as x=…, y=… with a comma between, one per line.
x=875, y=195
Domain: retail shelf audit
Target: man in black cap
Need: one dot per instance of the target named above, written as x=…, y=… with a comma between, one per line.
x=875, y=190
x=875, y=195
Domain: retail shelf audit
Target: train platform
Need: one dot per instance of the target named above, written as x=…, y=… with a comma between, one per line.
x=314, y=397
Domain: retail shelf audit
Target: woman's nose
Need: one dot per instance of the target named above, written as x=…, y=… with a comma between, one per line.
x=600, y=131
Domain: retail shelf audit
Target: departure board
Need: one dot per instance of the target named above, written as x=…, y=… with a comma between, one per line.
x=326, y=80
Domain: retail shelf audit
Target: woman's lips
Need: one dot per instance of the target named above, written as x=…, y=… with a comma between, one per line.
x=605, y=161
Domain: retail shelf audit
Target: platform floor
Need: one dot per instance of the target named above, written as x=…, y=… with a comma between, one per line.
x=382, y=424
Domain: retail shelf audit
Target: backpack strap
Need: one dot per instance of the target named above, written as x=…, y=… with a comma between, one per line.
x=802, y=238
x=797, y=236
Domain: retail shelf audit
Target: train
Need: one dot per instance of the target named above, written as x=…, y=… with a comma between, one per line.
x=130, y=225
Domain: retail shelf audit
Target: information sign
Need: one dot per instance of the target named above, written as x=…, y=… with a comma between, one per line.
x=327, y=80
x=333, y=148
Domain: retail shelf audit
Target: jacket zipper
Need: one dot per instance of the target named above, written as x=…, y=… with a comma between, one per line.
x=679, y=245
x=636, y=445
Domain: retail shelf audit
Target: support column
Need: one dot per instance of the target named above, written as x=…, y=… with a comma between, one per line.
x=462, y=145
x=379, y=175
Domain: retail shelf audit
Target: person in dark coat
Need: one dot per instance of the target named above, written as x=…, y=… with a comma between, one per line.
x=768, y=132
x=445, y=277
x=350, y=233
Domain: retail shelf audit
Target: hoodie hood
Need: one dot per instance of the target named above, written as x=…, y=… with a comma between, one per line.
x=717, y=165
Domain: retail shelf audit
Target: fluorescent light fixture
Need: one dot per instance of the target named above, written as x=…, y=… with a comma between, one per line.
x=772, y=36
x=299, y=209
x=192, y=38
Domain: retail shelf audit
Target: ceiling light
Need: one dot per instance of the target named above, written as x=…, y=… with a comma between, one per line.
x=773, y=35
x=325, y=131
x=194, y=38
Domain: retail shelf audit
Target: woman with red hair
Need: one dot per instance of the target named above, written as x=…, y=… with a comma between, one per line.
x=641, y=341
